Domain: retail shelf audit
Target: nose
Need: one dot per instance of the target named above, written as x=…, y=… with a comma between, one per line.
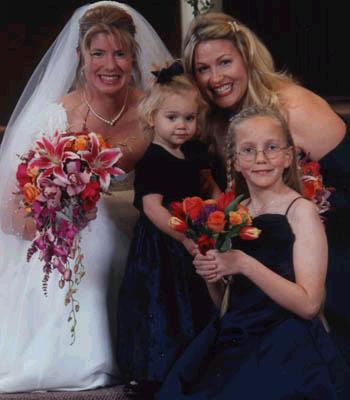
x=111, y=62
x=215, y=75
x=260, y=156
x=181, y=123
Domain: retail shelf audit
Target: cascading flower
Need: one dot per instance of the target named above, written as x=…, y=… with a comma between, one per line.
x=60, y=180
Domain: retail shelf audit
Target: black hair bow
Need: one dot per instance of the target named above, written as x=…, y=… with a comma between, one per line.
x=165, y=75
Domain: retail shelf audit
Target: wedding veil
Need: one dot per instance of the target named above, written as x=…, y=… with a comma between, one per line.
x=53, y=78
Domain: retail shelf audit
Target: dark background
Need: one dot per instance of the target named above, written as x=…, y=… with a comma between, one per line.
x=309, y=38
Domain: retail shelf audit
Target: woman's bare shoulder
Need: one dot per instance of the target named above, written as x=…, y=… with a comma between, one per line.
x=71, y=100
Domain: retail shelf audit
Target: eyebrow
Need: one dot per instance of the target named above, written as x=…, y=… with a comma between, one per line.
x=219, y=58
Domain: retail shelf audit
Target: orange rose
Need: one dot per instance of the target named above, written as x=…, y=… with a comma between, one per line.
x=192, y=206
x=311, y=168
x=178, y=224
x=244, y=212
x=33, y=172
x=310, y=187
x=224, y=200
x=101, y=141
x=30, y=192
x=235, y=218
x=81, y=143
x=216, y=221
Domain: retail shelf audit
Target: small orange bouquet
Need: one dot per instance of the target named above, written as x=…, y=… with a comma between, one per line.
x=312, y=184
x=213, y=223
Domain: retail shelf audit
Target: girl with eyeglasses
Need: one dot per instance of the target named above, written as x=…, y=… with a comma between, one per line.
x=270, y=343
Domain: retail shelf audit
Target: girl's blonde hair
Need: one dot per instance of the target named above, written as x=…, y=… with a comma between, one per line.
x=263, y=79
x=107, y=19
x=290, y=174
x=158, y=93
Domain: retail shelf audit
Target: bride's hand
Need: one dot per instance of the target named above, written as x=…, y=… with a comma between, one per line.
x=91, y=214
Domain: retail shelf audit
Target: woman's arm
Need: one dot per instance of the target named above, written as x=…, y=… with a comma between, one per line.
x=159, y=216
x=304, y=297
x=314, y=126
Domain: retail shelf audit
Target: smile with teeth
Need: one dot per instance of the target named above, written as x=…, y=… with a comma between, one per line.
x=109, y=78
x=223, y=89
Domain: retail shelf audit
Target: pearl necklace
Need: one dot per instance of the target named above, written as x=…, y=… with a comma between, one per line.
x=106, y=121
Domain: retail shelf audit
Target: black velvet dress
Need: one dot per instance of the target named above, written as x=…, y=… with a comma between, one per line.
x=163, y=303
x=259, y=350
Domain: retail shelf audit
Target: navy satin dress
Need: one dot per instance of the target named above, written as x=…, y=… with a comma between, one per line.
x=335, y=169
x=163, y=303
x=259, y=350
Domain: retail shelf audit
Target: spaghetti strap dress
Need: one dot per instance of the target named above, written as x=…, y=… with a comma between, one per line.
x=259, y=350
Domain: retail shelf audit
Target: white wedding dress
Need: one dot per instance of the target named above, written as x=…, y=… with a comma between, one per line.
x=35, y=350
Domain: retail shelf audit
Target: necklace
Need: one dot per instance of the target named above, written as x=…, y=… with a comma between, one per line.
x=107, y=121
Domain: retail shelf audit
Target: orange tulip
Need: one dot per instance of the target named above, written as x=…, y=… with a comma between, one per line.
x=224, y=200
x=178, y=224
x=249, y=233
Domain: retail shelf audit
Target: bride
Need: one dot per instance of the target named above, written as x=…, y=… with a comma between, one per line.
x=108, y=69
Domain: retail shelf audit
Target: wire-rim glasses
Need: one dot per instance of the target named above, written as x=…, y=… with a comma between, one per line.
x=270, y=151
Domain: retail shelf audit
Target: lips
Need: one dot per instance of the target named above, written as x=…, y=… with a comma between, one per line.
x=223, y=90
x=262, y=171
x=109, y=79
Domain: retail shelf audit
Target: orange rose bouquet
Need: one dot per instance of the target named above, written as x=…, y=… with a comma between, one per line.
x=59, y=181
x=313, y=187
x=213, y=223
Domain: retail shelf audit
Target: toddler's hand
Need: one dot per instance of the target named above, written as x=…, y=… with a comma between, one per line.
x=91, y=214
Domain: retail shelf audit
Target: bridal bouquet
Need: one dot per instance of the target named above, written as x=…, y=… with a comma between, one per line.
x=59, y=182
x=213, y=223
x=312, y=184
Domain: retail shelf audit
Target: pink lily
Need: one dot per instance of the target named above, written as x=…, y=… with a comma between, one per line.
x=102, y=162
x=52, y=153
x=74, y=180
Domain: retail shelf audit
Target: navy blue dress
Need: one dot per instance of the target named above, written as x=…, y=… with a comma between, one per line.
x=162, y=302
x=259, y=350
x=335, y=169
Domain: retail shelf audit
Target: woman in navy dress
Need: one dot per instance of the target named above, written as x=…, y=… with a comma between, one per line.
x=235, y=70
x=162, y=303
x=270, y=344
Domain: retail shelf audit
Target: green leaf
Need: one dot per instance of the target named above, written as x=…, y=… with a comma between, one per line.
x=226, y=245
x=233, y=205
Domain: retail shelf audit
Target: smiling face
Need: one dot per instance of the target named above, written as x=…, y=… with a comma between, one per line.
x=264, y=136
x=175, y=121
x=107, y=64
x=220, y=72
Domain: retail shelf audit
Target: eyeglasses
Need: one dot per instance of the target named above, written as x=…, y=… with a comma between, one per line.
x=270, y=151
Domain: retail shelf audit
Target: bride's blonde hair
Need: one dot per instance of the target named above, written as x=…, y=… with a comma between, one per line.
x=107, y=19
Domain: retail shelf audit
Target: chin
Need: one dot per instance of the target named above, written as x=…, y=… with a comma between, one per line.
x=228, y=102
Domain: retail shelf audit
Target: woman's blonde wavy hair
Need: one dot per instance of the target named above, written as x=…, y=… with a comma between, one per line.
x=263, y=79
